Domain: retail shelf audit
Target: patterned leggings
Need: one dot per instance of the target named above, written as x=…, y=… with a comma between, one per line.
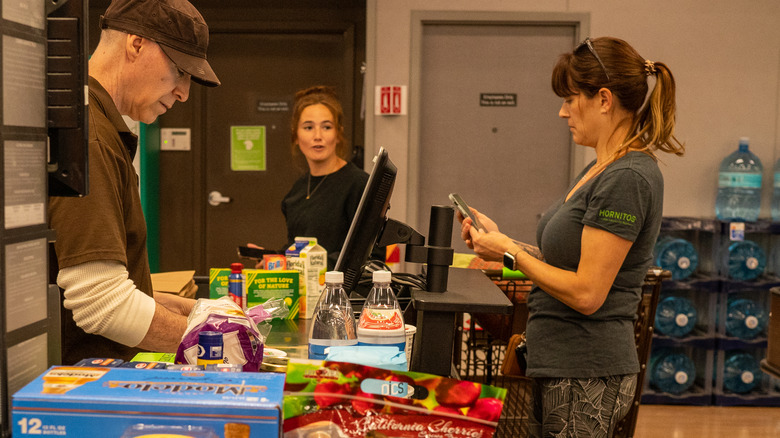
x=570, y=408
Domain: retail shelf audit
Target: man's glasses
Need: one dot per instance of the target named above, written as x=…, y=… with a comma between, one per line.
x=596, y=55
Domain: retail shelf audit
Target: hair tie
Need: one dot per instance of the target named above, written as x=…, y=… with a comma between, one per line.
x=649, y=67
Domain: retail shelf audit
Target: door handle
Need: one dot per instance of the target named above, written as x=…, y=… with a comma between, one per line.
x=216, y=198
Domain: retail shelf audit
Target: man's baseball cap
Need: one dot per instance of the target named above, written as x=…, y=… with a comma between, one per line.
x=175, y=25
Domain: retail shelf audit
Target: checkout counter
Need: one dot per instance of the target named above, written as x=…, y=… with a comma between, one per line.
x=434, y=314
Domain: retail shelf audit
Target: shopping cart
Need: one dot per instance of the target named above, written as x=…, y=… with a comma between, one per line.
x=485, y=337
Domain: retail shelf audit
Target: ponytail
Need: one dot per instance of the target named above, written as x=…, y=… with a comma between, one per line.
x=654, y=125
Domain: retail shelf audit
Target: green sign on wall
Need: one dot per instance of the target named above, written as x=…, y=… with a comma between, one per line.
x=247, y=148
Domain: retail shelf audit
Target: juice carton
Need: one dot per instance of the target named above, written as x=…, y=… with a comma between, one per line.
x=261, y=286
x=311, y=260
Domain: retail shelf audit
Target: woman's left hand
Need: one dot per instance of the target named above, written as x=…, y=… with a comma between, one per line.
x=259, y=262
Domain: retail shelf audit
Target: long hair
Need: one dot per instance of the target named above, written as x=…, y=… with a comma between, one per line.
x=319, y=94
x=625, y=74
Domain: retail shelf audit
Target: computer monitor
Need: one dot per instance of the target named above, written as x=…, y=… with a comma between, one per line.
x=368, y=221
x=370, y=226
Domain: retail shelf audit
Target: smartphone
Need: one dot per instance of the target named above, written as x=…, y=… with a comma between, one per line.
x=248, y=252
x=465, y=211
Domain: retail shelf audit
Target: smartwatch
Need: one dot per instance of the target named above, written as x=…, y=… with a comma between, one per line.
x=509, y=261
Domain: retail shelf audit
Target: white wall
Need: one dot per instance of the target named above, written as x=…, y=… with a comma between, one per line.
x=725, y=55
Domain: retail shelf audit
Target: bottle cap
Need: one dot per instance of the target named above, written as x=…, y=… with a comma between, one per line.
x=334, y=277
x=382, y=276
x=236, y=267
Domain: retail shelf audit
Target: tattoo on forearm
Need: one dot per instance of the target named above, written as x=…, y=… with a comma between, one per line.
x=530, y=249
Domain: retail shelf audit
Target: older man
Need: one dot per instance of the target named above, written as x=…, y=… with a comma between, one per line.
x=148, y=53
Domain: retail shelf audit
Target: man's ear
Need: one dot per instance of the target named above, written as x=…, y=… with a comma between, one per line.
x=133, y=46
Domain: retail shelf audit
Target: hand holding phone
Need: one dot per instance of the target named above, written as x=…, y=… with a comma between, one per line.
x=465, y=211
x=254, y=253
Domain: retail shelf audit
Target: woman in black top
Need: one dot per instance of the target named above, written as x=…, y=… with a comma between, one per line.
x=323, y=201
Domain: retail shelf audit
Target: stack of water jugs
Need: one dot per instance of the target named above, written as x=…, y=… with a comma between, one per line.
x=710, y=325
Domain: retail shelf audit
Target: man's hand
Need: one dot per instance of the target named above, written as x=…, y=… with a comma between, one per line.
x=174, y=303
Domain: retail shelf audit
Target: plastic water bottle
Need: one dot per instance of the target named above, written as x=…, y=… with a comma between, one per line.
x=675, y=316
x=237, y=284
x=677, y=256
x=381, y=320
x=333, y=322
x=745, y=260
x=741, y=372
x=745, y=319
x=739, y=186
x=776, y=193
x=672, y=371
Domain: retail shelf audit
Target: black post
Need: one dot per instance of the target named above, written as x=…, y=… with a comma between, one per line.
x=440, y=251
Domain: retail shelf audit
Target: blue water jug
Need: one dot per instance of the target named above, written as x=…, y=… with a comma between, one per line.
x=739, y=186
x=675, y=316
x=745, y=260
x=677, y=256
x=672, y=371
x=741, y=372
x=745, y=318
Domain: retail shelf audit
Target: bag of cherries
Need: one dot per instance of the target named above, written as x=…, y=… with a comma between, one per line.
x=340, y=399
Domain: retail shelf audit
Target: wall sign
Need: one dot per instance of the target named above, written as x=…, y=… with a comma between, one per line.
x=497, y=99
x=273, y=107
x=247, y=148
x=390, y=100
x=25, y=183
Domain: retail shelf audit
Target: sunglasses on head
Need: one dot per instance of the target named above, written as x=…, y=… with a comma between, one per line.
x=589, y=45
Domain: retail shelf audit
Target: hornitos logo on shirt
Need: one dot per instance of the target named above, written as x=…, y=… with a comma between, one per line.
x=617, y=216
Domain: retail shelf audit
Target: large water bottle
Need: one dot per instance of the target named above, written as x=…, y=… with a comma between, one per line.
x=677, y=256
x=333, y=322
x=675, y=316
x=381, y=321
x=739, y=186
x=745, y=318
x=672, y=371
x=745, y=260
x=741, y=372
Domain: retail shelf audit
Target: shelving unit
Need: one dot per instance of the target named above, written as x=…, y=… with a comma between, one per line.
x=710, y=289
x=29, y=320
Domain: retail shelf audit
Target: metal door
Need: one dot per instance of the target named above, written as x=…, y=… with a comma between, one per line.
x=489, y=126
x=260, y=74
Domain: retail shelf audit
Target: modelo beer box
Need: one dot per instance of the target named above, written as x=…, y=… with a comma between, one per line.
x=261, y=286
x=129, y=403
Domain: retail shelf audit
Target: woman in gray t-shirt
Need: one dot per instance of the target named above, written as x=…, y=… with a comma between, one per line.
x=595, y=243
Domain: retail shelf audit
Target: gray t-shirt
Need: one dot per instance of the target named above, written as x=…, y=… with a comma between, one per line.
x=626, y=199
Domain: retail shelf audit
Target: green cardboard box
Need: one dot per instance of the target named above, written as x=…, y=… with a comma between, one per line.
x=261, y=285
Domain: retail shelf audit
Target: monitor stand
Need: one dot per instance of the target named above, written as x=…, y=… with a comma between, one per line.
x=469, y=290
x=449, y=293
